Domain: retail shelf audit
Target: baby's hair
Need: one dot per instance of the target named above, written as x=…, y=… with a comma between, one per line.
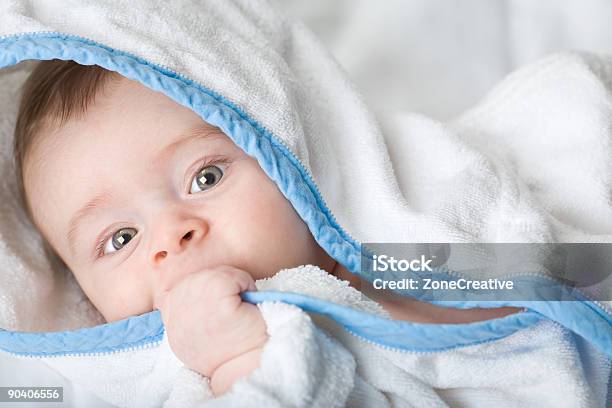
x=55, y=92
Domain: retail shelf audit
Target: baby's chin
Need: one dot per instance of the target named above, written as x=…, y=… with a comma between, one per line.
x=116, y=317
x=113, y=316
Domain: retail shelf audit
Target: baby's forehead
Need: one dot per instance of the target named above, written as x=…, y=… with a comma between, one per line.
x=127, y=108
x=127, y=133
x=128, y=126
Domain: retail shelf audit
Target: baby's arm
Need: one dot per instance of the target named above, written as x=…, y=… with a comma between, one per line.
x=229, y=372
x=210, y=329
x=300, y=366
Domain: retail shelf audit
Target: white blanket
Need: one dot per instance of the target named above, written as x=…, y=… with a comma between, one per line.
x=531, y=163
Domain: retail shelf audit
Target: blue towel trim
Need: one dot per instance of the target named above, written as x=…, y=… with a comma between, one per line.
x=139, y=331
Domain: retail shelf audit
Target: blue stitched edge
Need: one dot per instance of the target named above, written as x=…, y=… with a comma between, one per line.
x=135, y=332
x=403, y=335
x=273, y=157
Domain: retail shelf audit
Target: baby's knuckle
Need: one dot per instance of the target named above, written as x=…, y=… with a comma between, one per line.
x=217, y=281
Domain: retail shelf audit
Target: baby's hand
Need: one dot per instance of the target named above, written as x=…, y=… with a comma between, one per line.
x=209, y=326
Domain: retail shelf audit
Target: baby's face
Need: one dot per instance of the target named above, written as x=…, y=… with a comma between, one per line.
x=141, y=192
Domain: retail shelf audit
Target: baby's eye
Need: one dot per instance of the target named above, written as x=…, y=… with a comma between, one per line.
x=205, y=179
x=119, y=239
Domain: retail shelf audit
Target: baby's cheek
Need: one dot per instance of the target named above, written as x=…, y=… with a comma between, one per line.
x=119, y=299
x=267, y=230
x=284, y=240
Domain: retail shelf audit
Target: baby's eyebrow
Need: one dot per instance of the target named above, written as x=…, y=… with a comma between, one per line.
x=201, y=131
x=98, y=201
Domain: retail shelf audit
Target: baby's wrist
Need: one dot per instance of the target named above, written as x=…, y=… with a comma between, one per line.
x=233, y=370
x=228, y=345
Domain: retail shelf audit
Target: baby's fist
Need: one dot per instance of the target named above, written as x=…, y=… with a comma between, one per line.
x=207, y=322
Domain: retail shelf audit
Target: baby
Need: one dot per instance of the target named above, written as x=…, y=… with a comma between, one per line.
x=152, y=208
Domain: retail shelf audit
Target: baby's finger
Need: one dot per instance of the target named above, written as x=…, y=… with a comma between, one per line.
x=252, y=286
x=243, y=280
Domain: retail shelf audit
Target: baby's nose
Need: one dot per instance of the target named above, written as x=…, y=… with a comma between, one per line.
x=162, y=253
x=175, y=237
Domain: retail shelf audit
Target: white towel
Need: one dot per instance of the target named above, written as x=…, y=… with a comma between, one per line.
x=346, y=370
x=529, y=164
